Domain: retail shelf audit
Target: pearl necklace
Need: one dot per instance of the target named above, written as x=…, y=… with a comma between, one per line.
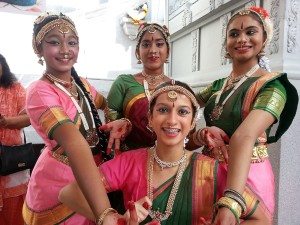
x=164, y=164
x=218, y=109
x=156, y=214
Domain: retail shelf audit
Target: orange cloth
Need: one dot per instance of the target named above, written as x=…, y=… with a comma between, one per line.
x=12, y=211
x=12, y=187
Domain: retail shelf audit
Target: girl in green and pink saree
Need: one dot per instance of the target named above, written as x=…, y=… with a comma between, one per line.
x=168, y=184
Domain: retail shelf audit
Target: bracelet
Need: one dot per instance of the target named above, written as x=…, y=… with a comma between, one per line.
x=233, y=194
x=100, y=218
x=128, y=126
x=197, y=137
x=231, y=204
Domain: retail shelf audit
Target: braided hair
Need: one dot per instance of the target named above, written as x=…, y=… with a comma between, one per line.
x=103, y=137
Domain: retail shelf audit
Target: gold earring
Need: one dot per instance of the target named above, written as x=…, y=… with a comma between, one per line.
x=261, y=53
x=227, y=55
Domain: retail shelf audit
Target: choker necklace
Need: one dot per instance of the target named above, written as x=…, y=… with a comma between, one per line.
x=218, y=109
x=152, y=79
x=69, y=85
x=156, y=214
x=164, y=164
x=62, y=82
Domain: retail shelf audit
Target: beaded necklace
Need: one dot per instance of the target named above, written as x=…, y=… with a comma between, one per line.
x=152, y=79
x=70, y=85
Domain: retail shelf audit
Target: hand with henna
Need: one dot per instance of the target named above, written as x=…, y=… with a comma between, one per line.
x=118, y=130
x=217, y=141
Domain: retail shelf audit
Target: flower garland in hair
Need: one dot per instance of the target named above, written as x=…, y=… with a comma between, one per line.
x=268, y=27
x=261, y=11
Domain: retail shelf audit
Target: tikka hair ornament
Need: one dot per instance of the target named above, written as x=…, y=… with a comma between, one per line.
x=60, y=21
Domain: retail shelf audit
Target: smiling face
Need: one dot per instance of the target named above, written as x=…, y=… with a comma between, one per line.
x=153, y=52
x=60, y=51
x=171, y=120
x=245, y=39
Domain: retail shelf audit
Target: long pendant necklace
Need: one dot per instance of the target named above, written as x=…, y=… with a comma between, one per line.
x=218, y=108
x=91, y=133
x=156, y=214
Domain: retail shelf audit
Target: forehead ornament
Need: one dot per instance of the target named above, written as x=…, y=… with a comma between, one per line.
x=172, y=96
x=151, y=29
x=64, y=24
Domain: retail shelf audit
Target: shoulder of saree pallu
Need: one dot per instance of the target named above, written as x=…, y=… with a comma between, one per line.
x=132, y=101
x=254, y=89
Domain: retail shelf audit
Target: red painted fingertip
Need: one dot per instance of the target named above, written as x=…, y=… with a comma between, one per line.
x=203, y=221
x=131, y=205
x=121, y=221
x=103, y=127
x=146, y=205
x=108, y=151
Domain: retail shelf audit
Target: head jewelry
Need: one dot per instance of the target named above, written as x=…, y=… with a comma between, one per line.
x=47, y=22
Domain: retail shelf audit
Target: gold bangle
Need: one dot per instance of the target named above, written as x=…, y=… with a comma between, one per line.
x=231, y=204
x=198, y=138
x=100, y=218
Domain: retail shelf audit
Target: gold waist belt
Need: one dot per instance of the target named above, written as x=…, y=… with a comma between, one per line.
x=259, y=154
x=47, y=217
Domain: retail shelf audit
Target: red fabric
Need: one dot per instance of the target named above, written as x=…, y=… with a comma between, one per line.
x=11, y=213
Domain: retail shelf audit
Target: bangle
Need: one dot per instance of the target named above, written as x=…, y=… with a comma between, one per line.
x=233, y=194
x=231, y=204
x=128, y=126
x=197, y=137
x=100, y=218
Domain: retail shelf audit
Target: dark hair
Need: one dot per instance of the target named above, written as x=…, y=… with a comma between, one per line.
x=168, y=83
x=7, y=78
x=103, y=138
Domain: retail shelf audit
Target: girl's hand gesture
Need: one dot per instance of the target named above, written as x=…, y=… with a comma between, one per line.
x=118, y=129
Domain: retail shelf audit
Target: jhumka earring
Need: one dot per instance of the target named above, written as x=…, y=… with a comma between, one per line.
x=149, y=128
x=41, y=61
x=227, y=56
x=261, y=53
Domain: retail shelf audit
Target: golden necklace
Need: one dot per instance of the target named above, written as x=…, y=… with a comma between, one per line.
x=156, y=214
x=152, y=79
